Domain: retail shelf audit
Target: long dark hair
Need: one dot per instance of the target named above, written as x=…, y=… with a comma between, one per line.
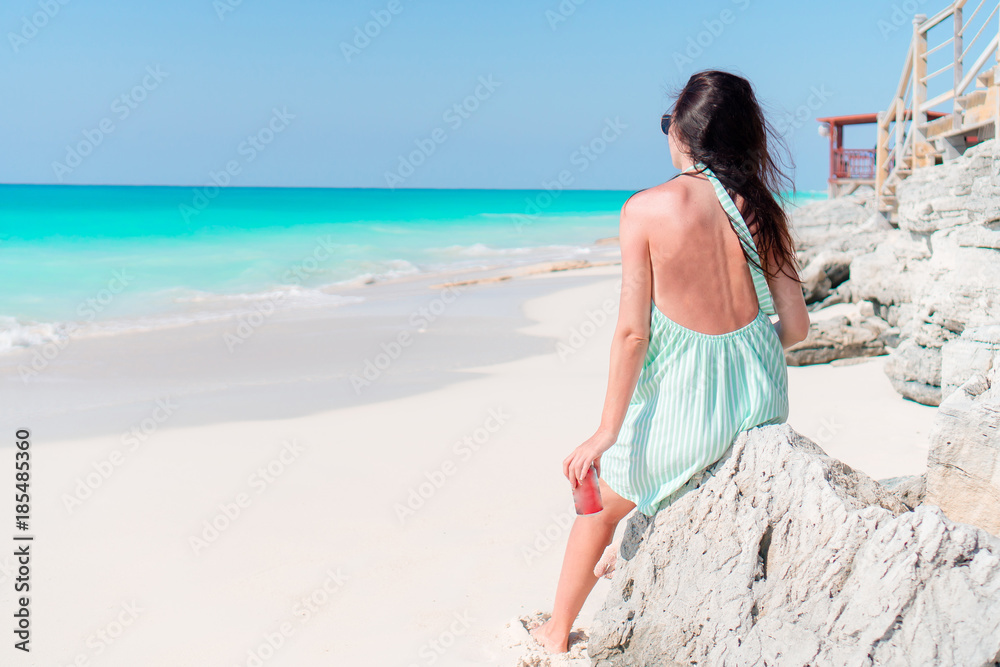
x=718, y=118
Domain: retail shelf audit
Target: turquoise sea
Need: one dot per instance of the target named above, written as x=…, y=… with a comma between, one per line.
x=88, y=258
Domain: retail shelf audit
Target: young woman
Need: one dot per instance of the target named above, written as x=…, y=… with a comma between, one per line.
x=695, y=359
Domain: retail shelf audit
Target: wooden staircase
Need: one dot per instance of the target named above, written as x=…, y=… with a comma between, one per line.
x=911, y=133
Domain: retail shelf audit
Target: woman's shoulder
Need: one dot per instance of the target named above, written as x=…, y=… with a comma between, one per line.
x=657, y=200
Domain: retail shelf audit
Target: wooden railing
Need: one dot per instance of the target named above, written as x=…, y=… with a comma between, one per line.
x=902, y=143
x=853, y=163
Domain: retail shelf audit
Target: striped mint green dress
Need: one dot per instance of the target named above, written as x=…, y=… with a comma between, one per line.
x=696, y=392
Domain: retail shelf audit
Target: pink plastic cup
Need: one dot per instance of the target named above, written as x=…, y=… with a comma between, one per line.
x=587, y=494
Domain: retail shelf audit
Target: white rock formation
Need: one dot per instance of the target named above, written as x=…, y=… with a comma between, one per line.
x=785, y=556
x=965, y=191
x=820, y=222
x=976, y=351
x=940, y=271
x=963, y=464
x=838, y=338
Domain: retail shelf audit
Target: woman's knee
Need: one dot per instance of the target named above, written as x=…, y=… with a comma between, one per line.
x=615, y=507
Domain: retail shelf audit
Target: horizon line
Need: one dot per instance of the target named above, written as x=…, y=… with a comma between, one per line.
x=327, y=187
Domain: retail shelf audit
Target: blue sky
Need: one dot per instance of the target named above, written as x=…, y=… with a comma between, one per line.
x=266, y=94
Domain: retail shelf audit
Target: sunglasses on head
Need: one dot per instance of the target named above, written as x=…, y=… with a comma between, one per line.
x=665, y=123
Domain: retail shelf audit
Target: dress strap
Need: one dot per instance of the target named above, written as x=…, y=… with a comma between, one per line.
x=746, y=239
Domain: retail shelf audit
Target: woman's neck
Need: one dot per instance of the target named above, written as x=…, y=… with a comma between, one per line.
x=686, y=163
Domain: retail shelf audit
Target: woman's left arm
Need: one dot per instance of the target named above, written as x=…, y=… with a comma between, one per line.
x=628, y=347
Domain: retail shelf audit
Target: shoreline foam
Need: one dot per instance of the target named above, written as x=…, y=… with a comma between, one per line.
x=194, y=306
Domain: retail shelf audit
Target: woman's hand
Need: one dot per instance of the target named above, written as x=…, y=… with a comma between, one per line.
x=577, y=464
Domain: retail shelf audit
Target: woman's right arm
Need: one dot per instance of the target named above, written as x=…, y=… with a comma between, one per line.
x=793, y=317
x=786, y=293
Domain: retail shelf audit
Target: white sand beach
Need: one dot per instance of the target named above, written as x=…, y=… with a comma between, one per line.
x=266, y=513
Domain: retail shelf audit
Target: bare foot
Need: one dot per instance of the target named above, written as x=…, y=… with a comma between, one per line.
x=541, y=633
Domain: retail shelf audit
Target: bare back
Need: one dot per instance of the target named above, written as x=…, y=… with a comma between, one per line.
x=700, y=278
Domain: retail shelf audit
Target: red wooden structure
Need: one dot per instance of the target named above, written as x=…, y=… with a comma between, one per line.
x=850, y=168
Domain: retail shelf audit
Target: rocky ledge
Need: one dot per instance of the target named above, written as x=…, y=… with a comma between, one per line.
x=783, y=555
x=927, y=279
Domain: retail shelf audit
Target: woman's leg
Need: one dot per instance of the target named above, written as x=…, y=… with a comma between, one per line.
x=590, y=535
